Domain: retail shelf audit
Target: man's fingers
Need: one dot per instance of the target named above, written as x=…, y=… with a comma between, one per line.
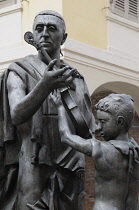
x=51, y=65
x=55, y=98
x=59, y=72
x=52, y=97
x=64, y=77
x=69, y=80
x=58, y=93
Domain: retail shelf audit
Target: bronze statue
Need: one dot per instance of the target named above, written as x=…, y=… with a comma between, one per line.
x=116, y=159
x=37, y=170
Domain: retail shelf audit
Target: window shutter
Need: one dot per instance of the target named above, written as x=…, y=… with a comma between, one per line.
x=119, y=7
x=133, y=10
x=128, y=9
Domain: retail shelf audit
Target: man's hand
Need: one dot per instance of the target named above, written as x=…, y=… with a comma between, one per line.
x=26, y=105
x=59, y=78
x=55, y=98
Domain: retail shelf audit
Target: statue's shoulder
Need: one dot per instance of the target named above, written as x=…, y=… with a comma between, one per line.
x=126, y=146
x=23, y=66
x=122, y=146
x=22, y=62
x=29, y=59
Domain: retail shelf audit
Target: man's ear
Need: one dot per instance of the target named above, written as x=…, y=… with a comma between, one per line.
x=64, y=38
x=120, y=121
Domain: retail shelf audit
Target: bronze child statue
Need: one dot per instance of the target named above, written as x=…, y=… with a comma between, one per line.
x=116, y=159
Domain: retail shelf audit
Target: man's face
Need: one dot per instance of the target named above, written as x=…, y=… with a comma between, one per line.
x=49, y=31
x=109, y=128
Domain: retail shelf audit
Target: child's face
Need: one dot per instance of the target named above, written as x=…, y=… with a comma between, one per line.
x=109, y=128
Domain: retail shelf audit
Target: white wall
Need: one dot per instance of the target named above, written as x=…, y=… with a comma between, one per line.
x=10, y=26
x=11, y=46
x=123, y=36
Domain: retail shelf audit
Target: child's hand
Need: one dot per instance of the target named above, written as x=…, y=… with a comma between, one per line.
x=55, y=98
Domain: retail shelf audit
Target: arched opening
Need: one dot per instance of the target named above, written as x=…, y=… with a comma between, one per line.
x=120, y=87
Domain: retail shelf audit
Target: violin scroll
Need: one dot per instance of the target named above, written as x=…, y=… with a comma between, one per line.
x=28, y=37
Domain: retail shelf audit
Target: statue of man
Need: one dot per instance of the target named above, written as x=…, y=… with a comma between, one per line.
x=39, y=171
x=116, y=159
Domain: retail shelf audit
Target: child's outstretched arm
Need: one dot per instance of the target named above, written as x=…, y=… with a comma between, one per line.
x=76, y=142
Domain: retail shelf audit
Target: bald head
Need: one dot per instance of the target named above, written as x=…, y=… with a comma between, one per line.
x=50, y=12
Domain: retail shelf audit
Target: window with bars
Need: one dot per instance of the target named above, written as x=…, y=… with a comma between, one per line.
x=128, y=9
x=6, y=3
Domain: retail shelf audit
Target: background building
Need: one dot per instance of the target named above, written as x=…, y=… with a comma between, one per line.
x=103, y=44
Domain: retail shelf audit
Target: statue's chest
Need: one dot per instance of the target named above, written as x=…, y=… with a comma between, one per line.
x=112, y=159
x=111, y=166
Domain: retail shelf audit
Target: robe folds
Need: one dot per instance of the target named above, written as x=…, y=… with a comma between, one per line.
x=36, y=143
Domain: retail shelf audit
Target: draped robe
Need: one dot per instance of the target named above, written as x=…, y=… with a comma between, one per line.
x=36, y=143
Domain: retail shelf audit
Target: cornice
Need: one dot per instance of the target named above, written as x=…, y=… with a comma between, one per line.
x=102, y=60
x=11, y=9
x=113, y=62
x=122, y=21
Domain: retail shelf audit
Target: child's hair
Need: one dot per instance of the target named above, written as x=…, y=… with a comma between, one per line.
x=118, y=105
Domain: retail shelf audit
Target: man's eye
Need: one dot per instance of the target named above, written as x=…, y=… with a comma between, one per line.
x=102, y=121
x=52, y=28
x=39, y=28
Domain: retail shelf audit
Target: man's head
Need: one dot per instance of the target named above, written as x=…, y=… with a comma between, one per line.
x=49, y=30
x=52, y=13
x=115, y=113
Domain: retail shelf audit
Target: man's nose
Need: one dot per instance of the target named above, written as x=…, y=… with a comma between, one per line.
x=45, y=31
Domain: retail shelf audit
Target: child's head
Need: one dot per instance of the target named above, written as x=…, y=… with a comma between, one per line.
x=117, y=110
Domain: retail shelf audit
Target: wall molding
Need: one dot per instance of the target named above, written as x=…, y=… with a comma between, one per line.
x=7, y=56
x=11, y=9
x=82, y=54
x=122, y=21
x=102, y=60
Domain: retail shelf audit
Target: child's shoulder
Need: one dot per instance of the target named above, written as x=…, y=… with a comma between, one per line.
x=101, y=148
x=122, y=146
x=125, y=146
